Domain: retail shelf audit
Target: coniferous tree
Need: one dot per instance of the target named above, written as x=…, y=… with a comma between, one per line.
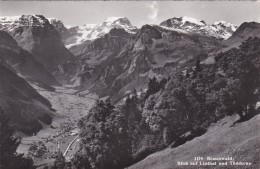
x=198, y=67
x=104, y=138
x=80, y=161
x=59, y=162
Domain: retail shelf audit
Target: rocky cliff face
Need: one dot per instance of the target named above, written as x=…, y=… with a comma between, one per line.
x=92, y=56
x=60, y=28
x=35, y=34
x=23, y=62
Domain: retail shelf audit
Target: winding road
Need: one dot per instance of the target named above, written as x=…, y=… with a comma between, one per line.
x=70, y=144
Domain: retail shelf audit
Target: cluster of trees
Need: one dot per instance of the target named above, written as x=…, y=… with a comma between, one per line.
x=154, y=86
x=9, y=159
x=104, y=138
x=112, y=137
x=204, y=94
x=37, y=149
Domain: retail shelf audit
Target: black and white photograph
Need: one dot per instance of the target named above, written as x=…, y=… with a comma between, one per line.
x=129, y=84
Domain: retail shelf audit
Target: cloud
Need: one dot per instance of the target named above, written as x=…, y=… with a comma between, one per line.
x=154, y=10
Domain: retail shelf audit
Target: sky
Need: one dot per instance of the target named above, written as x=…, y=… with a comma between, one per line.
x=138, y=12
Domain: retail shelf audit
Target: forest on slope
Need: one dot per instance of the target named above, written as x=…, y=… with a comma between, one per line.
x=172, y=111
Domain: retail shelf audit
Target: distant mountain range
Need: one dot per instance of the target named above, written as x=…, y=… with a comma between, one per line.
x=109, y=52
x=220, y=29
x=110, y=59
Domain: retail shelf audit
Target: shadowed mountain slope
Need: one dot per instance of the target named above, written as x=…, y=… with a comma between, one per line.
x=26, y=108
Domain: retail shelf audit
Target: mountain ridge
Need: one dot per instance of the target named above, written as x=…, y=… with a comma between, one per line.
x=244, y=31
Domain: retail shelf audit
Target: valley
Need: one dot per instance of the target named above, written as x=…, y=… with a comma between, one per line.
x=69, y=108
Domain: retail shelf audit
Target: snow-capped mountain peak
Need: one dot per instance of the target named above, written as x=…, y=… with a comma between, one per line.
x=192, y=20
x=69, y=26
x=33, y=20
x=87, y=27
x=8, y=19
x=220, y=29
x=113, y=19
x=56, y=22
x=51, y=20
x=118, y=21
x=225, y=24
x=8, y=23
x=93, y=31
x=185, y=21
x=219, y=22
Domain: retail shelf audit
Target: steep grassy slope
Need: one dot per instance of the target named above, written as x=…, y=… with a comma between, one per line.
x=223, y=139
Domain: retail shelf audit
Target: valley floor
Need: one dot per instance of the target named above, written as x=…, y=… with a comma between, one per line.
x=241, y=142
x=70, y=107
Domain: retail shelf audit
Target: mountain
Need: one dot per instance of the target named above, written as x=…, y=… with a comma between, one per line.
x=92, y=31
x=152, y=51
x=111, y=37
x=92, y=55
x=220, y=30
x=114, y=58
x=23, y=62
x=26, y=108
x=35, y=34
x=244, y=31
